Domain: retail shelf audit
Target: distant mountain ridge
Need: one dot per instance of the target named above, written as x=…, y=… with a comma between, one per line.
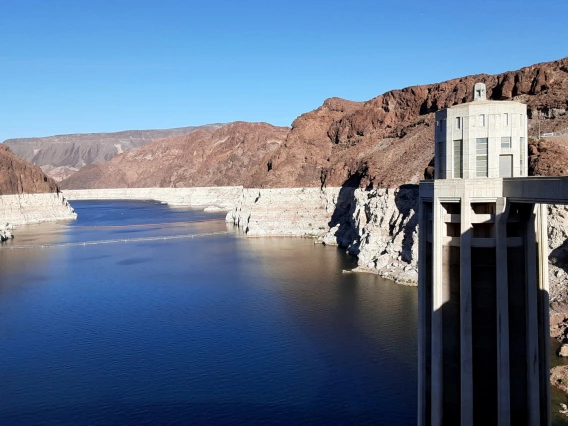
x=62, y=155
x=384, y=142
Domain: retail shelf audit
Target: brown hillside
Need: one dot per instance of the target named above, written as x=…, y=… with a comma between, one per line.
x=18, y=176
x=206, y=157
x=389, y=139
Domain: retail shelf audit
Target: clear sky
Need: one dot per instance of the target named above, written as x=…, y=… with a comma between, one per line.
x=71, y=66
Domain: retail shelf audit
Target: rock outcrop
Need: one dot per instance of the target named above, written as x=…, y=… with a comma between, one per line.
x=559, y=377
x=23, y=209
x=548, y=157
x=62, y=155
x=379, y=226
x=6, y=232
x=285, y=212
x=27, y=195
x=18, y=176
x=381, y=229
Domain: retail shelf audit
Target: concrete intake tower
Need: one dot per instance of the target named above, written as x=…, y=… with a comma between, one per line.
x=483, y=272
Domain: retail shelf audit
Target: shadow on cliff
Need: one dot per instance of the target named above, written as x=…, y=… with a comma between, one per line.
x=341, y=222
x=559, y=256
x=406, y=200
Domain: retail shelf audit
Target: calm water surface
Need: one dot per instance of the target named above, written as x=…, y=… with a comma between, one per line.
x=217, y=329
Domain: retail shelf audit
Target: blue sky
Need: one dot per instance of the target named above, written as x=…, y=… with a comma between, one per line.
x=71, y=66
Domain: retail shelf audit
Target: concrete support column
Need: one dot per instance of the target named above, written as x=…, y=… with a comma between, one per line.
x=503, y=370
x=438, y=301
x=544, y=319
x=466, y=330
x=531, y=287
x=423, y=311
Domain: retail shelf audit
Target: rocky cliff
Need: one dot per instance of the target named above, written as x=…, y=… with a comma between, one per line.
x=23, y=209
x=379, y=226
x=285, y=211
x=18, y=176
x=27, y=195
x=62, y=155
x=340, y=138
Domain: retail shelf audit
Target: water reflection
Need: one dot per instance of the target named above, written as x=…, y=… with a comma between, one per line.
x=222, y=329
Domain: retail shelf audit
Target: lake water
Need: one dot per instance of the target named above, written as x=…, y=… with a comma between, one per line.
x=216, y=329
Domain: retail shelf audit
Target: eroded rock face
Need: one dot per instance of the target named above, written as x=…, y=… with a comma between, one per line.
x=23, y=209
x=380, y=227
x=549, y=157
x=27, y=195
x=285, y=211
x=206, y=157
x=18, y=176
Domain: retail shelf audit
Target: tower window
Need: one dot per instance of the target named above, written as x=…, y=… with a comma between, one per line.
x=481, y=157
x=481, y=120
x=458, y=159
x=458, y=122
x=505, y=119
x=441, y=154
x=506, y=142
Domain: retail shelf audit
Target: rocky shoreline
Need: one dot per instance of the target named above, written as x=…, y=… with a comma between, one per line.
x=6, y=232
x=23, y=209
x=378, y=226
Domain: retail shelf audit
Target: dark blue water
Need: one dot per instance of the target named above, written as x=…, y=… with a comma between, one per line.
x=218, y=329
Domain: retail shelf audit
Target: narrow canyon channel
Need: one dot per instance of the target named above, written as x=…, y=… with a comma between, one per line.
x=152, y=325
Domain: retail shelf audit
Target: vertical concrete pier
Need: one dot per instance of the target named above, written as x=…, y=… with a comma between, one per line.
x=483, y=279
